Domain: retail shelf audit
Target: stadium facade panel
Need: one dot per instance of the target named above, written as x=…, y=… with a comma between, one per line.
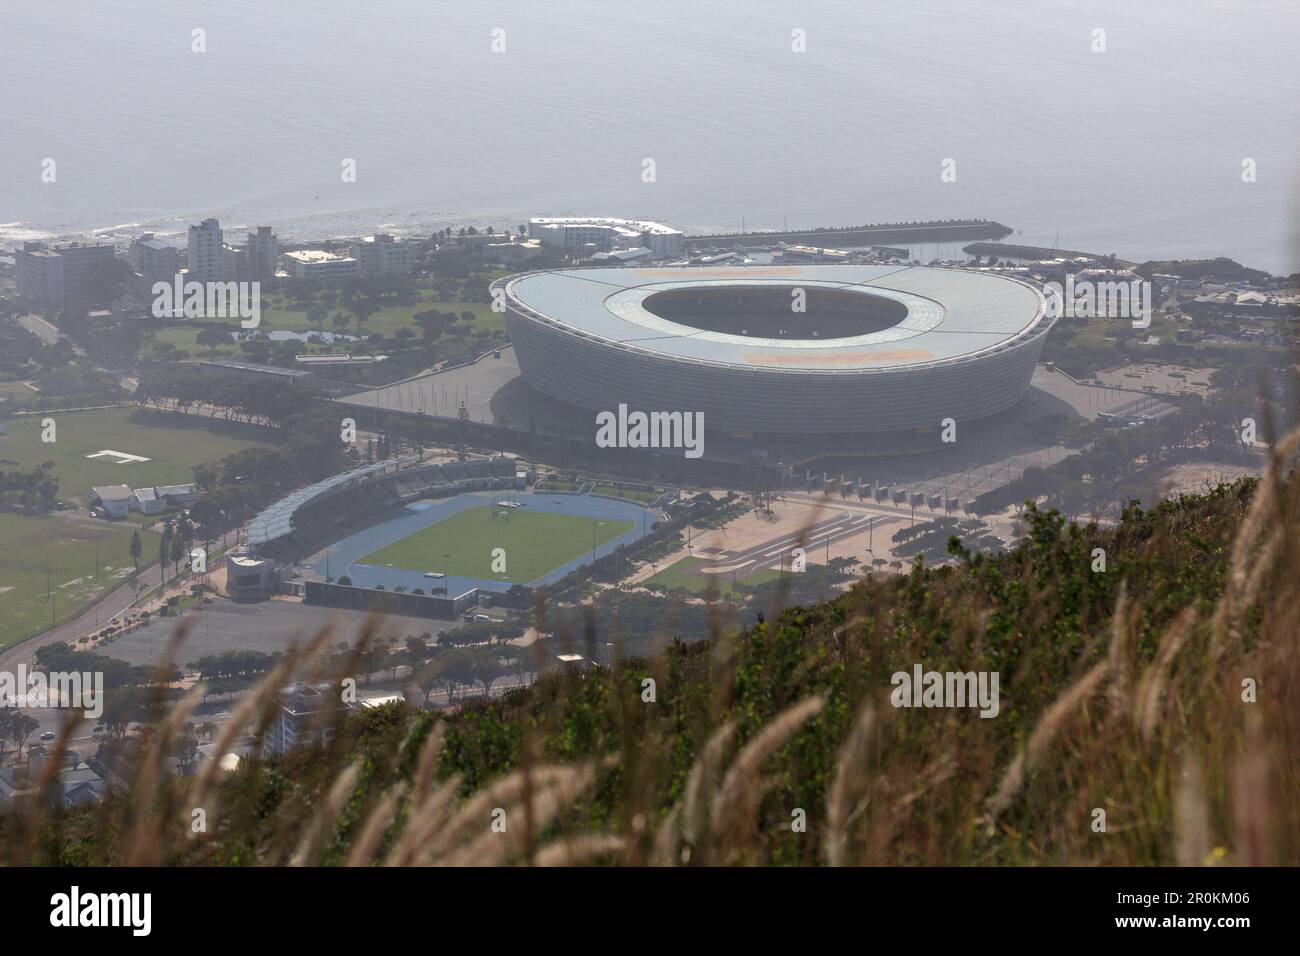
x=873, y=348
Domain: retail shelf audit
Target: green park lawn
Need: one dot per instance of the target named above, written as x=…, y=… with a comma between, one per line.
x=67, y=549
x=680, y=575
x=280, y=314
x=187, y=341
x=554, y=484
x=628, y=493
x=174, y=444
x=535, y=543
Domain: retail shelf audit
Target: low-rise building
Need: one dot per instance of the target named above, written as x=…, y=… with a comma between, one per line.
x=115, y=500
x=118, y=501
x=513, y=250
x=148, y=502
x=625, y=257
x=73, y=784
x=250, y=578
x=319, y=264
x=180, y=496
x=306, y=716
x=153, y=260
x=591, y=234
x=382, y=255
x=798, y=253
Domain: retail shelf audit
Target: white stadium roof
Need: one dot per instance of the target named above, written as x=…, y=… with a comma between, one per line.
x=950, y=314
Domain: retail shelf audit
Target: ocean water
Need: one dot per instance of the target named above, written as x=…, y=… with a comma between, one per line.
x=1136, y=151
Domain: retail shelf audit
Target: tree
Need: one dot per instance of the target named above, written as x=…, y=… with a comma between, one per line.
x=187, y=748
x=164, y=549
x=212, y=339
x=15, y=728
x=23, y=726
x=483, y=665
x=136, y=549
x=177, y=552
x=48, y=490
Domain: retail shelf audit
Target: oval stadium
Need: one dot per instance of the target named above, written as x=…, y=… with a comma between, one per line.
x=786, y=350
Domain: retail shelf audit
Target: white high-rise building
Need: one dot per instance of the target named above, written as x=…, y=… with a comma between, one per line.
x=207, y=256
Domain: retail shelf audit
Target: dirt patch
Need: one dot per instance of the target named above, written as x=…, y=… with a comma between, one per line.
x=1199, y=477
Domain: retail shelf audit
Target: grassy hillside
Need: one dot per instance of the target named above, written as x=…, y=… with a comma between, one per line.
x=1148, y=715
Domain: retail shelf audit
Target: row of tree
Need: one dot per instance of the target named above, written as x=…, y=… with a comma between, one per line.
x=29, y=490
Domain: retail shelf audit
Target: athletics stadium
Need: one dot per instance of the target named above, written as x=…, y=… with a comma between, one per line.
x=455, y=530
x=780, y=350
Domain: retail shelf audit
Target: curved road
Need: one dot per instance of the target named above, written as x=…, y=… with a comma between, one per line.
x=114, y=602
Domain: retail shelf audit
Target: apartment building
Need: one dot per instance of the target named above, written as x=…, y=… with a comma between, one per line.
x=47, y=274
x=382, y=255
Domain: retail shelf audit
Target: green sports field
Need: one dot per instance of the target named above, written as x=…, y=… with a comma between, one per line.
x=173, y=443
x=67, y=548
x=631, y=494
x=281, y=314
x=535, y=543
x=682, y=574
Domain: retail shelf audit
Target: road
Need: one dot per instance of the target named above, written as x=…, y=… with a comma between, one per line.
x=45, y=330
x=99, y=614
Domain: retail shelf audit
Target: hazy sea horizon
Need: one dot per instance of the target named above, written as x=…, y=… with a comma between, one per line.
x=1136, y=151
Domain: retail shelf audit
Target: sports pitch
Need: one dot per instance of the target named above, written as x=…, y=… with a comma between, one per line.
x=535, y=543
x=153, y=448
x=35, y=544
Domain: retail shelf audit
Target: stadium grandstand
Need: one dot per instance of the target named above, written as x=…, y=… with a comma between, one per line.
x=313, y=517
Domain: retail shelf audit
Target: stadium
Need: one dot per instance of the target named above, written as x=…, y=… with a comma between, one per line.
x=780, y=350
x=439, y=535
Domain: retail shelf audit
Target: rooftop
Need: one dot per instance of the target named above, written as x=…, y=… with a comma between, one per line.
x=307, y=256
x=112, y=492
x=934, y=314
x=637, y=225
